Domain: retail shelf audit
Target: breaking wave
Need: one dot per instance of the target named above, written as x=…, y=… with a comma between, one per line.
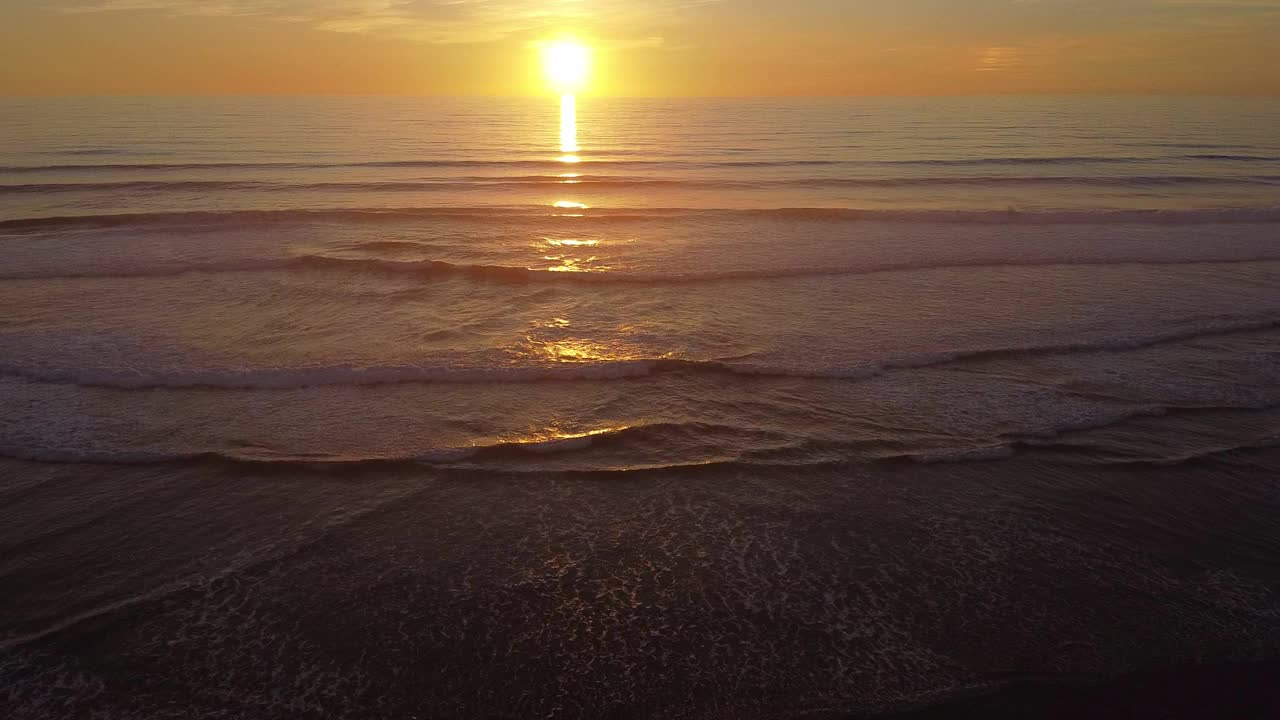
x=283, y=378
x=511, y=273
x=495, y=447
x=767, y=449
x=1268, y=214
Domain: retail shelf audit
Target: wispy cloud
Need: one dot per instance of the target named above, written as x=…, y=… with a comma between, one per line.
x=441, y=21
x=1000, y=59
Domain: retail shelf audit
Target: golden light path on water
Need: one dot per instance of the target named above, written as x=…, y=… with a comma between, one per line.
x=568, y=124
x=560, y=252
x=568, y=148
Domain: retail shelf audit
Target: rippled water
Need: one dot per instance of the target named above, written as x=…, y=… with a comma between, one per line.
x=764, y=407
x=84, y=157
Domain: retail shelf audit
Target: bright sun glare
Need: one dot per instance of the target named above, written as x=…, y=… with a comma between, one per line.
x=566, y=65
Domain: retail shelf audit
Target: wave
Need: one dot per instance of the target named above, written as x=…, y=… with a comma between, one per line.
x=137, y=186
x=1186, y=146
x=1099, y=456
x=86, y=152
x=1236, y=158
x=488, y=183
x=286, y=378
x=1197, y=456
x=1092, y=159
x=650, y=162
x=513, y=453
x=127, y=167
x=1267, y=214
x=446, y=456
x=1082, y=159
x=1008, y=445
x=1050, y=160
x=518, y=274
x=1013, y=216
x=345, y=374
x=1003, y=180
x=587, y=182
x=442, y=163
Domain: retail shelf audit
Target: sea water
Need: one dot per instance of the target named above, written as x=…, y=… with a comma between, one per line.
x=680, y=408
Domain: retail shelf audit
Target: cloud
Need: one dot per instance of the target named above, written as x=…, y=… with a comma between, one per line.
x=440, y=21
x=1000, y=59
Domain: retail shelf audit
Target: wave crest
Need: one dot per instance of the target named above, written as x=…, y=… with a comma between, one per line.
x=248, y=218
x=513, y=273
x=586, y=182
x=284, y=378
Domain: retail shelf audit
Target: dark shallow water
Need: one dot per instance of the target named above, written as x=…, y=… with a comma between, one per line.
x=221, y=589
x=724, y=409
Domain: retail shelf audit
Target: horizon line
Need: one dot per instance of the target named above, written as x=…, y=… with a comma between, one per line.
x=588, y=95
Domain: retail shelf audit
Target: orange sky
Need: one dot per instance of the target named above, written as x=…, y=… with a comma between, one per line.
x=642, y=47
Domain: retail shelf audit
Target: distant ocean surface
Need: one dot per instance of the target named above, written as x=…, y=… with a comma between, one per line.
x=374, y=408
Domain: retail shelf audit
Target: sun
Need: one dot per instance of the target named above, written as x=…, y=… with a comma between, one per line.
x=566, y=64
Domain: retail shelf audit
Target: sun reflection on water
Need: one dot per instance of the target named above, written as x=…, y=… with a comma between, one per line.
x=569, y=205
x=574, y=351
x=546, y=342
x=569, y=147
x=570, y=264
x=553, y=437
x=569, y=124
x=560, y=251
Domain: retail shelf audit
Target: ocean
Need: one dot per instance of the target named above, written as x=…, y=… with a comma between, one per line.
x=597, y=408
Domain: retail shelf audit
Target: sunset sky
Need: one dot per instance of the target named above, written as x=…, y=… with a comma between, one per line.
x=641, y=47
